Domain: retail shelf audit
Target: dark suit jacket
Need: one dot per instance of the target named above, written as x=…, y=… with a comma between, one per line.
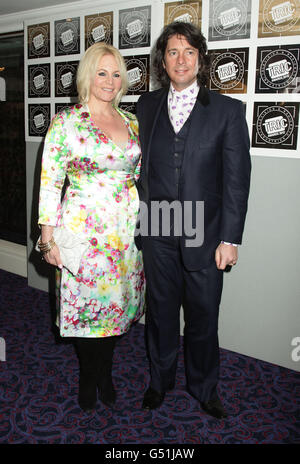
x=216, y=167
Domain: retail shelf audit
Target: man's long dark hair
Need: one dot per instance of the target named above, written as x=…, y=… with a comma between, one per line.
x=194, y=37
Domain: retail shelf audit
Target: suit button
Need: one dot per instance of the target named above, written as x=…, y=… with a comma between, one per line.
x=176, y=155
x=176, y=139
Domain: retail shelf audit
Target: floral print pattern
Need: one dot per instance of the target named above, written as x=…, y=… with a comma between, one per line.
x=101, y=204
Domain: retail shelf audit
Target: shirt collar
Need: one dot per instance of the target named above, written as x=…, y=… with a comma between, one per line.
x=189, y=92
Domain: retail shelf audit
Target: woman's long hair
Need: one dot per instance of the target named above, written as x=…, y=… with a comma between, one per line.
x=194, y=37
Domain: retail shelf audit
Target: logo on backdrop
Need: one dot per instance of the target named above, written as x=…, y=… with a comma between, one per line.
x=99, y=28
x=38, y=119
x=135, y=27
x=38, y=40
x=138, y=74
x=185, y=12
x=278, y=18
x=229, y=70
x=67, y=36
x=277, y=69
x=275, y=125
x=229, y=19
x=39, y=81
x=65, y=79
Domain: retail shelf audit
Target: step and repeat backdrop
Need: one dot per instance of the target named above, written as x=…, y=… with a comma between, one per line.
x=254, y=47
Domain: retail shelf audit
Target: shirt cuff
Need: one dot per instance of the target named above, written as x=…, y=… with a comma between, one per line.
x=228, y=243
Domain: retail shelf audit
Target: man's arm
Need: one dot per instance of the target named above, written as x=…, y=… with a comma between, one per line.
x=236, y=175
x=236, y=183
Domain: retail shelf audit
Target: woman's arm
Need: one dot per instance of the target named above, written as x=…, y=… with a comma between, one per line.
x=53, y=174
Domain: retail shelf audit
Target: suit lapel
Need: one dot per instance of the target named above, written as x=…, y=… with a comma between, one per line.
x=160, y=98
x=197, y=130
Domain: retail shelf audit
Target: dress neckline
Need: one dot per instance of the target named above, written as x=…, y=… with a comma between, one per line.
x=126, y=122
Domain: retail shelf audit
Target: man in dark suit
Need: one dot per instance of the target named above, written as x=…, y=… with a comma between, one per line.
x=195, y=151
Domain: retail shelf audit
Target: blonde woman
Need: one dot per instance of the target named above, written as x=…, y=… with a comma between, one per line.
x=95, y=145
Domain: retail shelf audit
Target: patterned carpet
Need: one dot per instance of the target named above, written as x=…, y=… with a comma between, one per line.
x=38, y=389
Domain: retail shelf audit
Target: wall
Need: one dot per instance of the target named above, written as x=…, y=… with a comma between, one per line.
x=260, y=307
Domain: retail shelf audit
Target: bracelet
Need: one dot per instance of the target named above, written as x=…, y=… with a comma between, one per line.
x=47, y=246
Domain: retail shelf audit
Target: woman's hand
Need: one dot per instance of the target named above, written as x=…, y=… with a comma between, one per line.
x=53, y=257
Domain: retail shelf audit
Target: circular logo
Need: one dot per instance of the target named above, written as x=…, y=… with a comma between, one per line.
x=99, y=30
x=278, y=69
x=275, y=125
x=134, y=27
x=184, y=13
x=67, y=36
x=227, y=70
x=38, y=39
x=229, y=17
x=39, y=119
x=280, y=17
x=65, y=79
x=137, y=74
x=39, y=80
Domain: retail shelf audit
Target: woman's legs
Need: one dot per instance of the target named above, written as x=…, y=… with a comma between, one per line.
x=107, y=393
x=87, y=356
x=95, y=361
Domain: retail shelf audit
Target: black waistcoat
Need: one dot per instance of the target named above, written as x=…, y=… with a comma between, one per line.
x=166, y=158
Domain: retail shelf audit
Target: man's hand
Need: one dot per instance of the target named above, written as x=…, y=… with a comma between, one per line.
x=226, y=254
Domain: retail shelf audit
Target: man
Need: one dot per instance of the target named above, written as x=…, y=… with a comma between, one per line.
x=195, y=148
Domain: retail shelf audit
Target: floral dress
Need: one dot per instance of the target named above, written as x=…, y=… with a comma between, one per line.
x=100, y=204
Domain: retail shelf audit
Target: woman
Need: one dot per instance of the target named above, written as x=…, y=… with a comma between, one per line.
x=95, y=145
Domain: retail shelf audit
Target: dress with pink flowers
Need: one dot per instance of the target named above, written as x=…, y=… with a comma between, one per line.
x=101, y=205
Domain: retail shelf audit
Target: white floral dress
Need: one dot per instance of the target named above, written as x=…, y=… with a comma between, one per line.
x=101, y=204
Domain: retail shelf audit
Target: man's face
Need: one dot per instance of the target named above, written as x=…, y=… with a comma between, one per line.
x=181, y=62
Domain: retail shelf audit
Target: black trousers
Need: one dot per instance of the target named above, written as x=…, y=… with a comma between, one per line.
x=170, y=285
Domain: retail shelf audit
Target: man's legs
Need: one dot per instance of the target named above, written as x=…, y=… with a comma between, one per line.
x=202, y=295
x=164, y=282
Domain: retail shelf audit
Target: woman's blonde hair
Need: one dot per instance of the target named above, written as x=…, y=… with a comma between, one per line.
x=88, y=66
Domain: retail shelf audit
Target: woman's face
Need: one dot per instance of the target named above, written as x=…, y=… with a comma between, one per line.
x=107, y=81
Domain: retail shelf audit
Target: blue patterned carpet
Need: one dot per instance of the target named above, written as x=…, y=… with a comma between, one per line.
x=38, y=390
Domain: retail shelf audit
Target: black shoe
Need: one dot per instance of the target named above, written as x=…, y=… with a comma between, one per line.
x=152, y=399
x=214, y=408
